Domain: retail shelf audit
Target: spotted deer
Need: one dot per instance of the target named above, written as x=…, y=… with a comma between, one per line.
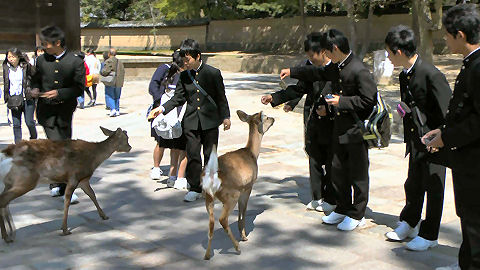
x=230, y=178
x=25, y=165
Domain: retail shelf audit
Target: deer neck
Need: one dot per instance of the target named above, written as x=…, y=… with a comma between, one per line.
x=254, y=141
x=105, y=149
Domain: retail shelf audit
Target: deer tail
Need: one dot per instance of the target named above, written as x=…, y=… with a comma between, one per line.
x=5, y=165
x=210, y=181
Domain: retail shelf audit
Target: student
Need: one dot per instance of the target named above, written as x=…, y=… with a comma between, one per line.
x=425, y=93
x=318, y=127
x=201, y=87
x=59, y=80
x=460, y=136
x=354, y=99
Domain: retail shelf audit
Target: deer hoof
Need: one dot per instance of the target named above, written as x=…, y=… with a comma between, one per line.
x=66, y=232
x=104, y=217
x=207, y=257
x=244, y=238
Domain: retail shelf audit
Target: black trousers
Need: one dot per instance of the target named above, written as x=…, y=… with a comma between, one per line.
x=195, y=140
x=320, y=179
x=467, y=205
x=350, y=170
x=424, y=177
x=58, y=133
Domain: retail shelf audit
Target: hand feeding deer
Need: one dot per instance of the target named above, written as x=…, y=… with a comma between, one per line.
x=230, y=177
x=28, y=163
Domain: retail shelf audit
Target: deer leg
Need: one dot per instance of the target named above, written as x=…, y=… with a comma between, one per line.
x=211, y=223
x=242, y=209
x=7, y=227
x=228, y=206
x=66, y=205
x=85, y=186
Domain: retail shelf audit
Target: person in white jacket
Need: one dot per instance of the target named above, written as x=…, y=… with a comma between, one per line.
x=94, y=66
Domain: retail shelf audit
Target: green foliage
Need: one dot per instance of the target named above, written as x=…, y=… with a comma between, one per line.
x=268, y=8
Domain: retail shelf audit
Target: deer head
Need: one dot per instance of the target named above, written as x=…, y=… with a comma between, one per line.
x=120, y=137
x=260, y=120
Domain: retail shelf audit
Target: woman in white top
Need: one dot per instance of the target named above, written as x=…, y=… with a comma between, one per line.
x=94, y=66
x=17, y=74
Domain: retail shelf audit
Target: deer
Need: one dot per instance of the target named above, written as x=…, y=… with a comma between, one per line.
x=25, y=165
x=230, y=178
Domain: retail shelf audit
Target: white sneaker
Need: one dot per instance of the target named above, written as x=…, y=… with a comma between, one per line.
x=171, y=181
x=192, y=196
x=156, y=173
x=454, y=266
x=55, y=192
x=117, y=113
x=73, y=199
x=181, y=183
x=348, y=224
x=312, y=205
x=421, y=244
x=333, y=218
x=403, y=231
x=112, y=113
x=326, y=207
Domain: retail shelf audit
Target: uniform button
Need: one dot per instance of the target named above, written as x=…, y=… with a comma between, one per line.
x=56, y=70
x=57, y=61
x=198, y=91
x=412, y=130
x=198, y=108
x=340, y=80
x=198, y=99
x=338, y=113
x=55, y=81
x=341, y=91
x=463, y=67
x=448, y=111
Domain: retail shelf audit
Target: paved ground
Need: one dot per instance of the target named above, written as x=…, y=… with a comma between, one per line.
x=151, y=227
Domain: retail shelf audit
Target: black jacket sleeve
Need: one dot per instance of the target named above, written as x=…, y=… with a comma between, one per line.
x=78, y=82
x=155, y=83
x=178, y=99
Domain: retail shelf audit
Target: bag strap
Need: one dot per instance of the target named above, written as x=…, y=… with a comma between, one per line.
x=201, y=89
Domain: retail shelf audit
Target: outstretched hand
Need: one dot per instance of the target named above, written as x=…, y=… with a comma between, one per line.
x=284, y=73
x=266, y=99
x=154, y=113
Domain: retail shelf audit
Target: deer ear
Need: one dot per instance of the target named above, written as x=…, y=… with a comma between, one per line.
x=107, y=132
x=242, y=115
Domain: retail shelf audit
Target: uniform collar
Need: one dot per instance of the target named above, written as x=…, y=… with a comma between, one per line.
x=345, y=61
x=199, y=67
x=412, y=68
x=471, y=56
x=61, y=55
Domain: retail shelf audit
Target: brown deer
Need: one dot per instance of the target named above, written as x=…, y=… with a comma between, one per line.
x=230, y=177
x=28, y=163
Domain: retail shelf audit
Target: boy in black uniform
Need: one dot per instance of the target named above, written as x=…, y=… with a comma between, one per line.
x=460, y=136
x=354, y=99
x=58, y=81
x=425, y=93
x=201, y=87
x=318, y=129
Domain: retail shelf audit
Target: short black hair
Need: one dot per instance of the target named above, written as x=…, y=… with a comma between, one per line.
x=337, y=38
x=190, y=47
x=463, y=18
x=313, y=42
x=401, y=38
x=52, y=34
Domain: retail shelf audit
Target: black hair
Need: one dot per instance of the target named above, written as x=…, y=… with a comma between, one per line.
x=314, y=42
x=52, y=34
x=190, y=47
x=463, y=18
x=401, y=38
x=337, y=38
x=91, y=51
x=105, y=56
x=177, y=63
x=37, y=49
x=15, y=51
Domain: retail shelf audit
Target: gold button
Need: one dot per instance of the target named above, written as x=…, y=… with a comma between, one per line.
x=56, y=70
x=198, y=99
x=57, y=61
x=198, y=91
x=338, y=113
x=55, y=81
x=198, y=108
x=412, y=130
x=341, y=91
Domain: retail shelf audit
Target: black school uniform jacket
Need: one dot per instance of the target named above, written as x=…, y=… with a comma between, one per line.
x=67, y=75
x=461, y=132
x=357, y=89
x=200, y=112
x=426, y=88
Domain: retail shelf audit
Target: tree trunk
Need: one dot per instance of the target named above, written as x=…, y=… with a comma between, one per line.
x=154, y=21
x=426, y=24
x=351, y=25
x=366, y=37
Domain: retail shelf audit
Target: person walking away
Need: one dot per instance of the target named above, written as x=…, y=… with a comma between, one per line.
x=94, y=66
x=112, y=92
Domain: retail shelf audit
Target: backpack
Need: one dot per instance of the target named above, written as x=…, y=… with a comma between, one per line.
x=376, y=128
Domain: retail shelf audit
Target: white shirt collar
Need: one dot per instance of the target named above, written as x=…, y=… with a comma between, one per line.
x=341, y=63
x=410, y=69
x=201, y=62
x=59, y=56
x=471, y=53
